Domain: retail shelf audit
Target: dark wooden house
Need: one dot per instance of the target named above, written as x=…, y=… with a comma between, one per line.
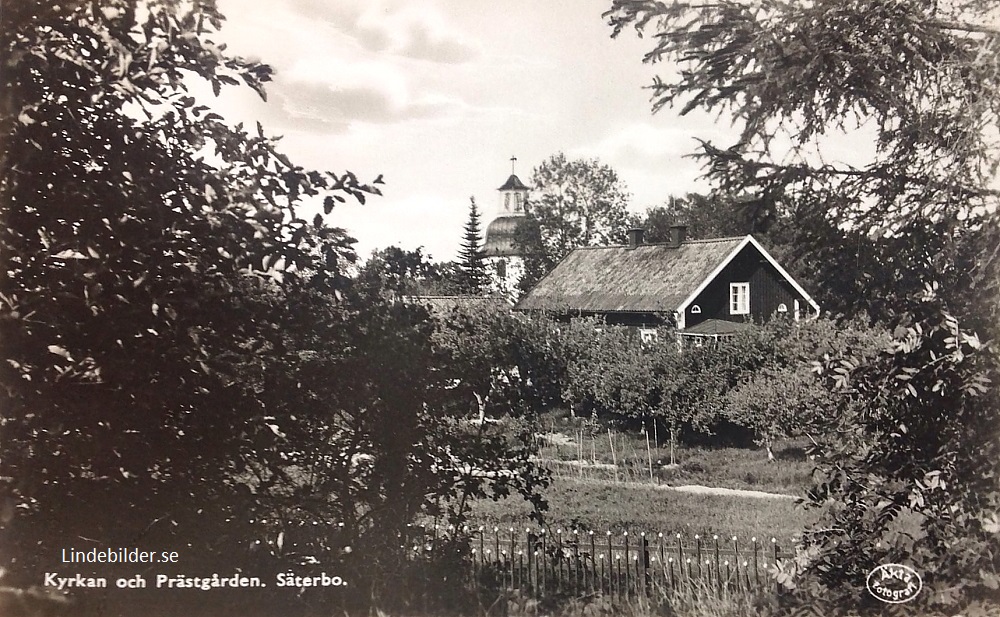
x=704, y=288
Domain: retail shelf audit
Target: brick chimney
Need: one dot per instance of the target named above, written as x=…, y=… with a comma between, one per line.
x=635, y=237
x=678, y=233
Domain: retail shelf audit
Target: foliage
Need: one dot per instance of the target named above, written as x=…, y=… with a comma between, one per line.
x=472, y=262
x=759, y=380
x=812, y=72
x=574, y=203
x=910, y=465
x=394, y=272
x=185, y=351
x=619, y=376
x=373, y=433
x=512, y=365
x=125, y=253
x=918, y=81
x=706, y=216
x=784, y=397
x=609, y=374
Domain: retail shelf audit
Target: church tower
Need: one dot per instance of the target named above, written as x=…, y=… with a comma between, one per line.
x=504, y=258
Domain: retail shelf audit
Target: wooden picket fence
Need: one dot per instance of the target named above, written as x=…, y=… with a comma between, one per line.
x=538, y=562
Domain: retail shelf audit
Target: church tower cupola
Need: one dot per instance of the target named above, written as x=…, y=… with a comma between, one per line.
x=503, y=245
x=513, y=194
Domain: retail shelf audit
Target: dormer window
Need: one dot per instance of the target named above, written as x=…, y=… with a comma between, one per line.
x=739, y=298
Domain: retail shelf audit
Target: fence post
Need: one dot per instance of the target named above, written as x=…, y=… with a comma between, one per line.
x=531, y=541
x=774, y=546
x=559, y=561
x=576, y=562
x=626, y=563
x=496, y=541
x=645, y=563
x=756, y=567
x=545, y=560
x=601, y=582
x=659, y=540
x=593, y=556
x=718, y=571
x=680, y=551
x=611, y=565
x=736, y=559
x=697, y=552
x=512, y=549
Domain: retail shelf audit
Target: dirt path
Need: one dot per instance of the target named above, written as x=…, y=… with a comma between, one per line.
x=736, y=492
x=688, y=488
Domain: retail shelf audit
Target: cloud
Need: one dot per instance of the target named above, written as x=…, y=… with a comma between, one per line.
x=348, y=62
x=339, y=106
x=417, y=31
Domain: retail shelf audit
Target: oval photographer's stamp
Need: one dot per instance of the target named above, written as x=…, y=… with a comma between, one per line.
x=894, y=583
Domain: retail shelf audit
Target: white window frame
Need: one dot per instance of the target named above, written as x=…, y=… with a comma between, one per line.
x=739, y=298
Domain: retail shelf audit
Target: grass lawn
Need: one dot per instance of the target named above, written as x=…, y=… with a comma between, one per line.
x=611, y=490
x=607, y=506
x=738, y=468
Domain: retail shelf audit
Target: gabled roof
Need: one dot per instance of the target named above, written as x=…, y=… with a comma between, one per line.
x=513, y=183
x=784, y=273
x=648, y=278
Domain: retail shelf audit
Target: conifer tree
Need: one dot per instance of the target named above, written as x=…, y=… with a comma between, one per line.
x=472, y=259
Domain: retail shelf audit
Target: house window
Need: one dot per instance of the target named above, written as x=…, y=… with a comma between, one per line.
x=695, y=309
x=648, y=335
x=739, y=298
x=502, y=269
x=782, y=308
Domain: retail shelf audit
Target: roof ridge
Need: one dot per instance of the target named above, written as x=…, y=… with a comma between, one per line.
x=450, y=296
x=722, y=239
x=699, y=241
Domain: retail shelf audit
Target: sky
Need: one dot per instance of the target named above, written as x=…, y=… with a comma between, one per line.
x=438, y=95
